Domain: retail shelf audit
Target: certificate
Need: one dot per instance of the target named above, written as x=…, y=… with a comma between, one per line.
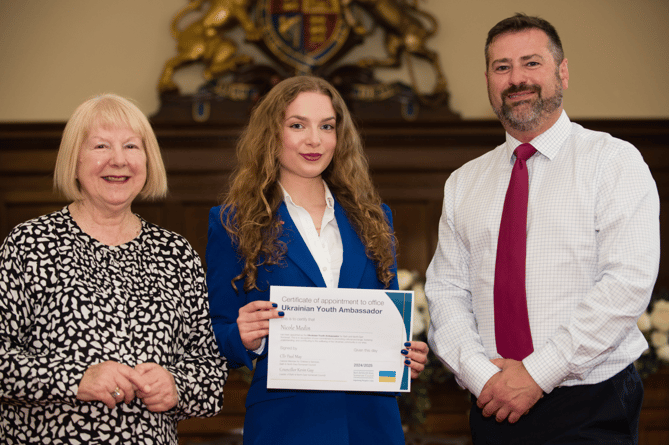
x=339, y=339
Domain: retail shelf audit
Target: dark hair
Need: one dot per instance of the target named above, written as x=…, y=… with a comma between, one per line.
x=520, y=22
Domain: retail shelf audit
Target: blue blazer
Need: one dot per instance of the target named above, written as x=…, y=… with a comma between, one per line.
x=283, y=417
x=297, y=269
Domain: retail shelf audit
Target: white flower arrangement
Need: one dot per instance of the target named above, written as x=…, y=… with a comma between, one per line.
x=410, y=280
x=659, y=317
x=654, y=323
x=414, y=405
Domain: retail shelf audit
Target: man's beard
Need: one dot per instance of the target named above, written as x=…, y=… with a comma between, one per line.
x=531, y=117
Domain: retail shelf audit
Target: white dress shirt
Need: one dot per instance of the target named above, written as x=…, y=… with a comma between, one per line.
x=326, y=248
x=592, y=258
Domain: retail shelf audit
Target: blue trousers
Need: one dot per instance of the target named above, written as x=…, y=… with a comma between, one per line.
x=603, y=413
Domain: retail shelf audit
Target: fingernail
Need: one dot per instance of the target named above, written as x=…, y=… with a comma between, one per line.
x=275, y=305
x=405, y=352
x=407, y=362
x=407, y=344
x=280, y=313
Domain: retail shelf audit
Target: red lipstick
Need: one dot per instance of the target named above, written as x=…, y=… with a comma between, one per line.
x=311, y=156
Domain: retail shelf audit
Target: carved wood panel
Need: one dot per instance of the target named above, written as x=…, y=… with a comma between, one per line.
x=409, y=164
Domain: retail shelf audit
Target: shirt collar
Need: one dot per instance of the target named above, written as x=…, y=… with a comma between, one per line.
x=329, y=199
x=547, y=143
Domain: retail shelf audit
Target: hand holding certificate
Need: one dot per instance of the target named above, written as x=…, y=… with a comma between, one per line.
x=339, y=339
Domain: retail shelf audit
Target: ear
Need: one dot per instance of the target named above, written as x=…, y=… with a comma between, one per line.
x=564, y=73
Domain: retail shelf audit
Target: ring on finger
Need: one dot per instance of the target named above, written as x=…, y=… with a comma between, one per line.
x=116, y=392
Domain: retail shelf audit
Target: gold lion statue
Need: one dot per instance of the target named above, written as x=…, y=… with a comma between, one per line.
x=202, y=39
x=404, y=32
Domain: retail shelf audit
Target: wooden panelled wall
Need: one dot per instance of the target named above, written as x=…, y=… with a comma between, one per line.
x=409, y=163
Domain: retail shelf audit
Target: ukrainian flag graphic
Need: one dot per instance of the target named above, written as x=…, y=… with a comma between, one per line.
x=387, y=376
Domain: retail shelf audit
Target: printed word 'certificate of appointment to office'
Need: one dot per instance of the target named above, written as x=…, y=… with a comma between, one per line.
x=339, y=339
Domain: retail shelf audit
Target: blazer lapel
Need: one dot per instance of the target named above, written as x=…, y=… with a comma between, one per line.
x=355, y=257
x=298, y=251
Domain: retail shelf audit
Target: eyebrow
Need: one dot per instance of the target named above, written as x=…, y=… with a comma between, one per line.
x=303, y=118
x=523, y=58
x=102, y=139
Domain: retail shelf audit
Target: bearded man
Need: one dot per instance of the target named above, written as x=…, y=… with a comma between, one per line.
x=548, y=253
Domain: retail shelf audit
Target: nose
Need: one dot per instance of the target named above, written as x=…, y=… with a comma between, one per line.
x=314, y=137
x=517, y=77
x=118, y=156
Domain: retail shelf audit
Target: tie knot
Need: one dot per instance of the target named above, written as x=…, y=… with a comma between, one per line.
x=525, y=151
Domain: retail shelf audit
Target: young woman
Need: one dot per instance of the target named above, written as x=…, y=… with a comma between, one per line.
x=301, y=211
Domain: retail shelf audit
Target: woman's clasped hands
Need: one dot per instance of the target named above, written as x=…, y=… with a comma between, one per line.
x=112, y=383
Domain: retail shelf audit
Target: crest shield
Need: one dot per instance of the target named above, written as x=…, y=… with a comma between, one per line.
x=304, y=34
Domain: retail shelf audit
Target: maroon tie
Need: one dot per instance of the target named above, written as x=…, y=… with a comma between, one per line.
x=512, y=325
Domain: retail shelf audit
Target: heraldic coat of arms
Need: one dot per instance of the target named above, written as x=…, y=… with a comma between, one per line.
x=303, y=37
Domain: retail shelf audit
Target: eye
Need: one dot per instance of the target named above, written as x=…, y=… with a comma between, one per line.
x=500, y=68
x=100, y=146
x=328, y=127
x=131, y=145
x=296, y=125
x=533, y=64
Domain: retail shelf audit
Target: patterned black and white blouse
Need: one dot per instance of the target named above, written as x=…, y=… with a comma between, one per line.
x=68, y=301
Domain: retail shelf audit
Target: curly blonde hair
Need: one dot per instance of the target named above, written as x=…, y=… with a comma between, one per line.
x=254, y=197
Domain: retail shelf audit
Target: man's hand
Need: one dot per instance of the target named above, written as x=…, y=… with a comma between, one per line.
x=509, y=394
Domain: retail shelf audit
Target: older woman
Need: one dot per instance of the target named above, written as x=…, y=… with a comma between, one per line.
x=301, y=211
x=105, y=335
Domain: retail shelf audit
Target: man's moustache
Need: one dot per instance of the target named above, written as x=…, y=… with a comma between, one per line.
x=520, y=88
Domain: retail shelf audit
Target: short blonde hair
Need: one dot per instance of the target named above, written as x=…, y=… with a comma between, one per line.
x=107, y=110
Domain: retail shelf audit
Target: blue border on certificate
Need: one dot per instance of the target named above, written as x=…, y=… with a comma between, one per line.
x=403, y=302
